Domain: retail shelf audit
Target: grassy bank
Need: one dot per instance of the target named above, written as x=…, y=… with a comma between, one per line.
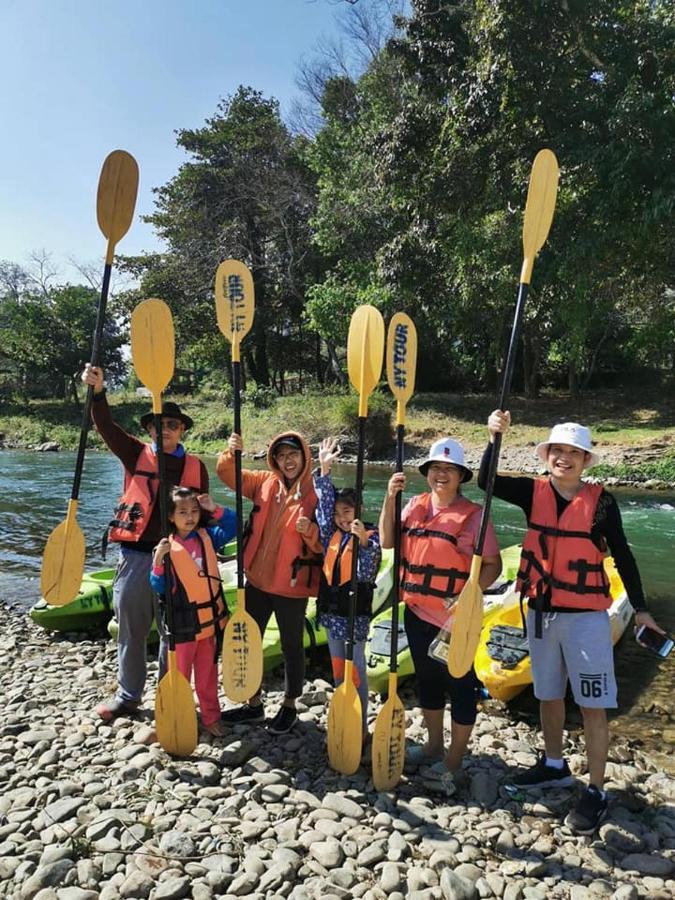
x=635, y=433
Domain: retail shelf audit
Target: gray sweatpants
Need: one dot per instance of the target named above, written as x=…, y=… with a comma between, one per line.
x=135, y=605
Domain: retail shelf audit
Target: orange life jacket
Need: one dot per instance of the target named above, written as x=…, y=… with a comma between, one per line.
x=296, y=568
x=336, y=579
x=198, y=607
x=433, y=569
x=135, y=506
x=560, y=566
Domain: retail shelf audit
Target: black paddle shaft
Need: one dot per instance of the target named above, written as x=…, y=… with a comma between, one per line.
x=95, y=356
x=236, y=384
x=164, y=528
x=353, y=588
x=503, y=397
x=393, y=655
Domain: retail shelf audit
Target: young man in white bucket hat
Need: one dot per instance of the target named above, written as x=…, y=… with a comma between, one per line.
x=439, y=532
x=571, y=528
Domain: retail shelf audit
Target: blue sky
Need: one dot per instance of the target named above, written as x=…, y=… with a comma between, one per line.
x=83, y=77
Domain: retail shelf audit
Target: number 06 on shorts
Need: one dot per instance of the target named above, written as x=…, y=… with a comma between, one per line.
x=575, y=647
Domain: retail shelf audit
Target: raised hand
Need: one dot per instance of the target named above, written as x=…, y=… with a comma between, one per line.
x=329, y=450
x=498, y=422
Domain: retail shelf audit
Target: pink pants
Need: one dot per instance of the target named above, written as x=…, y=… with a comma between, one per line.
x=198, y=657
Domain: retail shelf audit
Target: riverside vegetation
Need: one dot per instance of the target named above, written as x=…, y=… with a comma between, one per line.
x=634, y=430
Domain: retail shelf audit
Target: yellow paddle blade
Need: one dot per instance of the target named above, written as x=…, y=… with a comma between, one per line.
x=116, y=197
x=242, y=660
x=467, y=624
x=345, y=726
x=63, y=560
x=539, y=208
x=365, y=351
x=389, y=740
x=235, y=302
x=175, y=714
x=153, y=346
x=401, y=361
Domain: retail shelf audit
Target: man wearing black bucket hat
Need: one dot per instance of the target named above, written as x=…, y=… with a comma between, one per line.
x=135, y=526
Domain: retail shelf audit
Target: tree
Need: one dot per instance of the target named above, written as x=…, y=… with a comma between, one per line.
x=246, y=193
x=46, y=335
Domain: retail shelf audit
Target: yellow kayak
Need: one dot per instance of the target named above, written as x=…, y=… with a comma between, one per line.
x=502, y=662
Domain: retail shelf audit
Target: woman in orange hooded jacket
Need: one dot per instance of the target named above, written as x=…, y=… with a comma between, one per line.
x=282, y=558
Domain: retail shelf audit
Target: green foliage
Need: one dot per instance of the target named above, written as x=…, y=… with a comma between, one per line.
x=379, y=429
x=660, y=470
x=46, y=338
x=259, y=396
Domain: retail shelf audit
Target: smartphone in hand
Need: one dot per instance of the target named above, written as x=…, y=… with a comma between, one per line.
x=660, y=644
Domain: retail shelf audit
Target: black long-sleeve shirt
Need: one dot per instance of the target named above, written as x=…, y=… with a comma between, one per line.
x=607, y=525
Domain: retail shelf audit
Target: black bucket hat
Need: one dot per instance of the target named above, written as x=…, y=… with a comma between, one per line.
x=169, y=410
x=290, y=441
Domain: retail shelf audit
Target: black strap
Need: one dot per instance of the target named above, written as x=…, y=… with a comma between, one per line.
x=430, y=571
x=429, y=533
x=582, y=566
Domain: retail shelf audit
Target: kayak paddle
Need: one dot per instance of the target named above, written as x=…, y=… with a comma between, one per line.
x=242, y=658
x=63, y=558
x=152, y=352
x=389, y=734
x=365, y=349
x=539, y=208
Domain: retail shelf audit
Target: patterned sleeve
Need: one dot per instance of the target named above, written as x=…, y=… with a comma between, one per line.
x=325, y=507
x=370, y=558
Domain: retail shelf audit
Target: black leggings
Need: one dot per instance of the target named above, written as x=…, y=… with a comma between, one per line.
x=290, y=616
x=434, y=681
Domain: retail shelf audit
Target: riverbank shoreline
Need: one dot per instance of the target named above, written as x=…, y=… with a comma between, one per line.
x=634, y=432
x=92, y=810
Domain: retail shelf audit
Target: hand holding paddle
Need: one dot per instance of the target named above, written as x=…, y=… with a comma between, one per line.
x=365, y=349
x=389, y=735
x=63, y=558
x=242, y=659
x=539, y=208
x=152, y=352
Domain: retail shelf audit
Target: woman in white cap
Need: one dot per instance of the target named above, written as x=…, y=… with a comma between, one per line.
x=571, y=527
x=439, y=531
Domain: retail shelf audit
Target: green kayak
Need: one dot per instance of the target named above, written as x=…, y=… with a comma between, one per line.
x=315, y=635
x=92, y=608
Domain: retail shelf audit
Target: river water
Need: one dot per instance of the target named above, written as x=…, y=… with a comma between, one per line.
x=34, y=491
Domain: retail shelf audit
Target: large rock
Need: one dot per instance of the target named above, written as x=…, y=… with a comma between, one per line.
x=454, y=887
x=647, y=864
x=46, y=877
x=343, y=806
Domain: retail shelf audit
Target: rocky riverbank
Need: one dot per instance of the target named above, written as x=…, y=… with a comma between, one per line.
x=91, y=810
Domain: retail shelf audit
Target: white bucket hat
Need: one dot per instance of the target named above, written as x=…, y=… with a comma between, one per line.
x=572, y=434
x=447, y=451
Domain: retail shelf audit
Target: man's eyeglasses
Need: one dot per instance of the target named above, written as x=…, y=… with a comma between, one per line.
x=171, y=424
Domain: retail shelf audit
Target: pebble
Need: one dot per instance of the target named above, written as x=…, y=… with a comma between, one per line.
x=93, y=810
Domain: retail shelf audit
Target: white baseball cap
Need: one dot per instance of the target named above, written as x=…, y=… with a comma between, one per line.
x=572, y=434
x=447, y=451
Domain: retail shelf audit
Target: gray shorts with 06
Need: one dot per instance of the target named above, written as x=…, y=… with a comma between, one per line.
x=575, y=647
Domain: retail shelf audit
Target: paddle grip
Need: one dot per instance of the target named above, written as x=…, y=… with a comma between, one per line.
x=393, y=654
x=503, y=397
x=236, y=385
x=95, y=354
x=349, y=646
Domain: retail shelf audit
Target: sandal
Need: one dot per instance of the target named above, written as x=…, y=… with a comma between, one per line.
x=115, y=708
x=217, y=728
